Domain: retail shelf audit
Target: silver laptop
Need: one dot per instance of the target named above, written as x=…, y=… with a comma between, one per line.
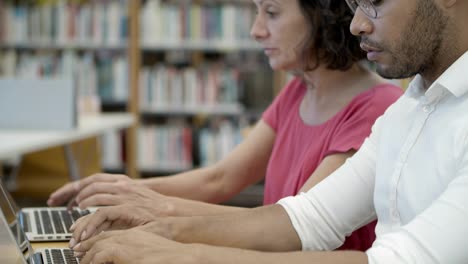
x=44, y=223
x=15, y=247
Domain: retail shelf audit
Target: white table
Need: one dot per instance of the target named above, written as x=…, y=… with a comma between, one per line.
x=14, y=143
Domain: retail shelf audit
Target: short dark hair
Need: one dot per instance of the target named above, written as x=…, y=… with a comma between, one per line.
x=330, y=41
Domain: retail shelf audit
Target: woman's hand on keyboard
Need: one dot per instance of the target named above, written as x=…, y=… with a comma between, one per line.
x=119, y=192
x=89, y=191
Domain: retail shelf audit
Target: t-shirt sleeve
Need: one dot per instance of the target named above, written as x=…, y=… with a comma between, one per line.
x=320, y=217
x=273, y=113
x=360, y=116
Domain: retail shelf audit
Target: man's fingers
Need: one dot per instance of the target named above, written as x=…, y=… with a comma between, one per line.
x=88, y=226
x=106, y=226
x=101, y=216
x=97, y=243
x=91, y=247
x=77, y=229
x=105, y=256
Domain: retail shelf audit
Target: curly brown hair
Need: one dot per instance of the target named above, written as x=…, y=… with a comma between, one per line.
x=330, y=40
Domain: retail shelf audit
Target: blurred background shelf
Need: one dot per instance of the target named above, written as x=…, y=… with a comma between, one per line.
x=219, y=109
x=46, y=45
x=128, y=56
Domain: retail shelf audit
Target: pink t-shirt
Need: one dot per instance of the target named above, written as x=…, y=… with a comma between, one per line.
x=299, y=148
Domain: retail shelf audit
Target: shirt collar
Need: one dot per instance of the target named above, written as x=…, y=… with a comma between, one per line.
x=453, y=80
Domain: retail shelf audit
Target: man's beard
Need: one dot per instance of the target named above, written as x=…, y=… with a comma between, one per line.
x=420, y=44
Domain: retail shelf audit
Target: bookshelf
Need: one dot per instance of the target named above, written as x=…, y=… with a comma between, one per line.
x=119, y=46
x=204, y=46
x=133, y=106
x=49, y=45
x=218, y=109
x=88, y=40
x=192, y=81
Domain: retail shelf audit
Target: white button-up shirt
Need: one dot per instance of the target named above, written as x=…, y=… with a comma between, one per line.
x=411, y=173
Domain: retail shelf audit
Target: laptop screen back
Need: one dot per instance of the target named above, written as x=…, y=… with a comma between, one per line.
x=9, y=249
x=12, y=217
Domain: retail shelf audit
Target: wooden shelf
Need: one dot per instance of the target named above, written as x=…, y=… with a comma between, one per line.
x=223, y=46
x=62, y=46
x=223, y=109
x=202, y=45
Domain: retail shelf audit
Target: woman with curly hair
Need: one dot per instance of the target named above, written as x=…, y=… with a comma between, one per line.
x=320, y=118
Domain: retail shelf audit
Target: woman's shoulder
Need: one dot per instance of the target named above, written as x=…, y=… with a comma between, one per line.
x=375, y=101
x=382, y=93
x=388, y=89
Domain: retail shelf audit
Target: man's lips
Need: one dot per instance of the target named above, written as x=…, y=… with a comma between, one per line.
x=372, y=52
x=369, y=48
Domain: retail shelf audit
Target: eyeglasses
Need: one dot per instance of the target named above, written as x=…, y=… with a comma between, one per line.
x=366, y=6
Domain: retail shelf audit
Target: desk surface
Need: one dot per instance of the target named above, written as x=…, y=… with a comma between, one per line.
x=17, y=142
x=41, y=245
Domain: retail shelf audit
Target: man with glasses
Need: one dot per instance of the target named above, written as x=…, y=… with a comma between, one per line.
x=411, y=173
x=366, y=6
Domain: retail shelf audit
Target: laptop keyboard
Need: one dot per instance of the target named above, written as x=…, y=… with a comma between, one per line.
x=55, y=256
x=38, y=221
x=46, y=222
x=56, y=221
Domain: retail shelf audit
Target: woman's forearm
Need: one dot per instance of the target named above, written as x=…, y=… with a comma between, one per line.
x=200, y=184
x=185, y=207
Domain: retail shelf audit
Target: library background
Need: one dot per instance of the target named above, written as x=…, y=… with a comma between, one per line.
x=161, y=87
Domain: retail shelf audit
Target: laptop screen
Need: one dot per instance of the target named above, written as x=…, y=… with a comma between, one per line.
x=11, y=218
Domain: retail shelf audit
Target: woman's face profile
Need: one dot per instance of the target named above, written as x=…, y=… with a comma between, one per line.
x=280, y=28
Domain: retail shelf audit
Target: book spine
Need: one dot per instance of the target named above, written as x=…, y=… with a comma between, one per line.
x=64, y=23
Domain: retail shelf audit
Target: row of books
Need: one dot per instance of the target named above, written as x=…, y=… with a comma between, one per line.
x=173, y=21
x=112, y=150
x=97, y=22
x=169, y=147
x=162, y=148
x=215, y=144
x=165, y=146
x=102, y=73
x=168, y=86
x=106, y=22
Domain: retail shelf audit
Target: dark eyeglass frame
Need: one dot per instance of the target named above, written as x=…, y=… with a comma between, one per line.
x=365, y=5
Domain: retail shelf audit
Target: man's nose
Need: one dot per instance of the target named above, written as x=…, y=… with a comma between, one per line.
x=361, y=24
